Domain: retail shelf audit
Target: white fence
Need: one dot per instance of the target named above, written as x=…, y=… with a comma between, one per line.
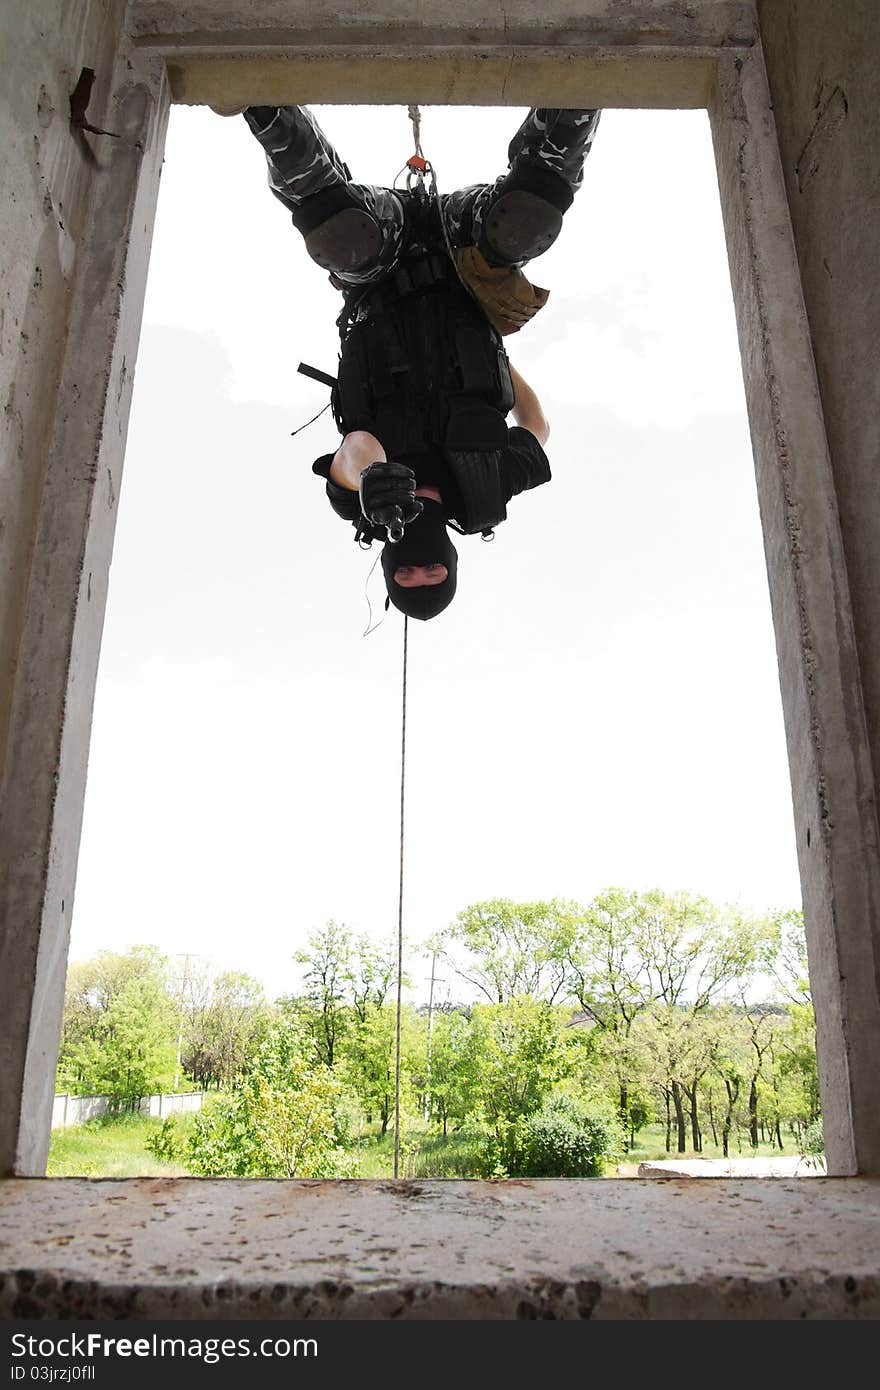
x=75, y=1110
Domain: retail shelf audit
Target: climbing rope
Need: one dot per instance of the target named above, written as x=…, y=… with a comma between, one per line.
x=400, y=914
x=417, y=168
x=415, y=116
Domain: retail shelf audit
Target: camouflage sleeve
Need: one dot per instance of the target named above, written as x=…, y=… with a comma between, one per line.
x=551, y=145
x=308, y=176
x=557, y=140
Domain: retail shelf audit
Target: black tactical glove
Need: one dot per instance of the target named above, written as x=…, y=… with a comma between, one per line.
x=387, y=496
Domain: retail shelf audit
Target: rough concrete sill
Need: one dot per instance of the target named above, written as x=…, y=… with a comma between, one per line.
x=606, y=1248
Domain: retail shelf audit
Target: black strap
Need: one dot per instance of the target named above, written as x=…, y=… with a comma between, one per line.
x=316, y=374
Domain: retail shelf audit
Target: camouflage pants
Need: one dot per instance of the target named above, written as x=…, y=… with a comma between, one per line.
x=546, y=155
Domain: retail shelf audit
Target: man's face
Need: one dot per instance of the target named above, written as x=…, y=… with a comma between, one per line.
x=414, y=576
x=421, y=569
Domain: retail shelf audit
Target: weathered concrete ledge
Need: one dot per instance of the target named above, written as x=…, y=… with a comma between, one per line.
x=654, y=53
x=447, y=77
x=166, y=25
x=603, y=1249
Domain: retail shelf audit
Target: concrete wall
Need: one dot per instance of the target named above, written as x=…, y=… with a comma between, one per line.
x=823, y=79
x=76, y=215
x=825, y=83
x=76, y=1110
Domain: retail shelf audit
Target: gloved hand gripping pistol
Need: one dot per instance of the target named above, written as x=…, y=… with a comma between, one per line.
x=386, y=490
x=387, y=497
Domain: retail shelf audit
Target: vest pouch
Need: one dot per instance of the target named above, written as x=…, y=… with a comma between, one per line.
x=388, y=359
x=477, y=473
x=378, y=371
x=351, y=402
x=508, y=393
x=473, y=367
x=474, y=425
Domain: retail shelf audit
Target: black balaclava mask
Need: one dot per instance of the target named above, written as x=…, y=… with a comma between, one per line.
x=425, y=542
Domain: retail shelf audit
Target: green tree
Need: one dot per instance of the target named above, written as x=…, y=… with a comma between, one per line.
x=372, y=970
x=325, y=1003
x=513, y=949
x=605, y=973
x=370, y=1061
x=224, y=1019
x=663, y=1037
x=675, y=954
x=787, y=956
x=286, y=1117
x=799, y=1070
x=762, y=1025
x=728, y=1065
x=119, y=1033
x=694, y=953
x=694, y=1061
x=453, y=1085
x=520, y=1052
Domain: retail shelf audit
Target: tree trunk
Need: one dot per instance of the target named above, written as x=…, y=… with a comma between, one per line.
x=668, y=1124
x=712, y=1120
x=695, y=1120
x=680, y=1123
x=732, y=1088
x=753, y=1112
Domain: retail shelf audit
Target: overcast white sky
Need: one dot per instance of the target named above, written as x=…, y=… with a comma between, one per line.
x=599, y=706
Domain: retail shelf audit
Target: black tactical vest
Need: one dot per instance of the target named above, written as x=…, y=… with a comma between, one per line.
x=422, y=368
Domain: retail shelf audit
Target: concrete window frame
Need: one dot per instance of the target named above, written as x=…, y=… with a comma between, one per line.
x=652, y=53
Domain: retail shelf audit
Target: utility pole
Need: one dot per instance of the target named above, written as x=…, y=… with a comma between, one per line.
x=186, y=958
x=426, y=1110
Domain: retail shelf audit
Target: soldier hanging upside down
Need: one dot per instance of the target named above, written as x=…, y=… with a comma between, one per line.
x=431, y=286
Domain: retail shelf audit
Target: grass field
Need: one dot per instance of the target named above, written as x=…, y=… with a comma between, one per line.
x=116, y=1147
x=111, y=1146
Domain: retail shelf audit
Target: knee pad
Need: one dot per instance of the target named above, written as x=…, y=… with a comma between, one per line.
x=520, y=226
x=525, y=216
x=347, y=241
x=338, y=231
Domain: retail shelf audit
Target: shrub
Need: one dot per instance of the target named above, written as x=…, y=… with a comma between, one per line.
x=812, y=1145
x=164, y=1142
x=566, y=1138
x=284, y=1119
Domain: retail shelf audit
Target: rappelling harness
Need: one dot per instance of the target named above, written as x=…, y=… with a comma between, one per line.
x=421, y=367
